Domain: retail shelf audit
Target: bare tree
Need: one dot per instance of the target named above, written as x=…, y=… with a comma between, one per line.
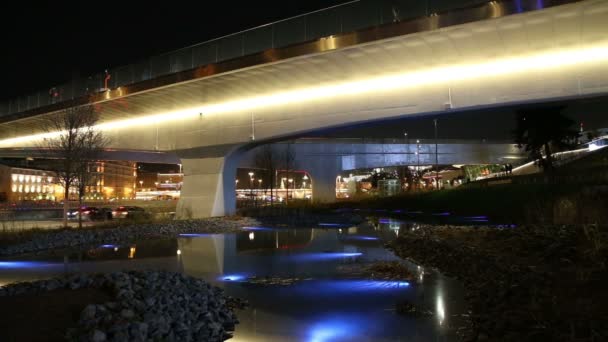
x=71, y=142
x=92, y=145
x=267, y=159
x=289, y=157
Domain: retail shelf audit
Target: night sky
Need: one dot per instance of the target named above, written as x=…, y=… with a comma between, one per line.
x=48, y=43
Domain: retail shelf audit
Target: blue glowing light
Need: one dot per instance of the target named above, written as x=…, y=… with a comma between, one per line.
x=233, y=277
x=353, y=286
x=108, y=246
x=330, y=224
x=256, y=228
x=518, y=6
x=476, y=217
x=539, y=4
x=361, y=238
x=324, y=256
x=442, y=214
x=397, y=211
x=23, y=264
x=195, y=235
x=333, y=330
x=339, y=326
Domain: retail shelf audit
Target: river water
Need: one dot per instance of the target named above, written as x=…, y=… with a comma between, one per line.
x=302, y=284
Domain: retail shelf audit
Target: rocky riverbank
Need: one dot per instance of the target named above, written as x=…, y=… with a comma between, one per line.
x=143, y=306
x=523, y=284
x=91, y=237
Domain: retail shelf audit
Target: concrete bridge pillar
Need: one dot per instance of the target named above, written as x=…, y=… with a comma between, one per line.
x=208, y=188
x=323, y=170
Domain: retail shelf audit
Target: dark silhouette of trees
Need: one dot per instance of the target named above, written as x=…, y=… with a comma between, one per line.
x=544, y=131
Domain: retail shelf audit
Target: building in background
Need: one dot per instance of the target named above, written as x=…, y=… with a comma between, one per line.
x=159, y=186
x=110, y=180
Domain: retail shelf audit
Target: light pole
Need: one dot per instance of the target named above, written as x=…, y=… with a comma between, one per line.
x=407, y=146
x=250, y=184
x=141, y=184
x=436, y=157
x=407, y=156
x=260, y=188
x=418, y=163
x=304, y=179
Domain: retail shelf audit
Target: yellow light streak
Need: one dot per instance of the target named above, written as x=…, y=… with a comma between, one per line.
x=546, y=61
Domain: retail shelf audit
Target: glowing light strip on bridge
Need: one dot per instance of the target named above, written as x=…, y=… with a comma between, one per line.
x=546, y=61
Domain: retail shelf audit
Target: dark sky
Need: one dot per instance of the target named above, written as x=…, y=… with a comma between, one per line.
x=48, y=43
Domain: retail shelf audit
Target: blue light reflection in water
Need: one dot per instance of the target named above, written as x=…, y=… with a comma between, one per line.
x=15, y=265
x=442, y=214
x=331, y=225
x=339, y=328
x=257, y=229
x=323, y=256
x=360, y=238
x=233, y=277
x=195, y=235
x=329, y=288
x=108, y=246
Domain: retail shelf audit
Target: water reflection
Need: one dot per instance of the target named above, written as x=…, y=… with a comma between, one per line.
x=324, y=304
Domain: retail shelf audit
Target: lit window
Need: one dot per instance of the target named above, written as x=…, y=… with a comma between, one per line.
x=15, y=177
x=27, y=178
x=20, y=188
x=14, y=188
x=21, y=178
x=27, y=188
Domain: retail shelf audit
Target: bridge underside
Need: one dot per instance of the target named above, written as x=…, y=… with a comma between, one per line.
x=556, y=53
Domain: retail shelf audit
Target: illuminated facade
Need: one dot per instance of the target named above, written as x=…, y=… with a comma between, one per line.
x=22, y=184
x=109, y=180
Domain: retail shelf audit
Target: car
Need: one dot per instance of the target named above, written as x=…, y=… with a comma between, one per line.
x=87, y=213
x=129, y=212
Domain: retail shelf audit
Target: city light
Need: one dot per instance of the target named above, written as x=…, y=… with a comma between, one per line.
x=545, y=61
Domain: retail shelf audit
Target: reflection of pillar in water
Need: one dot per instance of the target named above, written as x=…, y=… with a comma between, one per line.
x=202, y=255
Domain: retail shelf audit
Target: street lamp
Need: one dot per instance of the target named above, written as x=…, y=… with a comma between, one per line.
x=436, y=158
x=418, y=154
x=407, y=146
x=141, y=184
x=250, y=184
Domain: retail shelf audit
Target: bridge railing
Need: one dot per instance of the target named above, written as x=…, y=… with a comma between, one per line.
x=348, y=17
